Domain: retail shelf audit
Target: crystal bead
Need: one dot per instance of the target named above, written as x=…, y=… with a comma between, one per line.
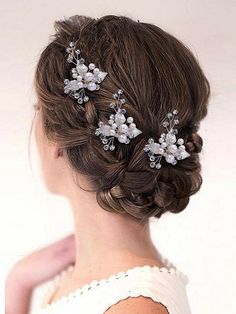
x=152, y=164
x=122, y=138
x=106, y=147
x=97, y=132
x=112, y=147
x=165, y=124
x=175, y=111
x=158, y=166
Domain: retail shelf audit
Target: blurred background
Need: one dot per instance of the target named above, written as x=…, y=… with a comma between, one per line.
x=200, y=241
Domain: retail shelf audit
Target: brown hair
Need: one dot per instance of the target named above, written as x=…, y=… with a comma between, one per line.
x=157, y=73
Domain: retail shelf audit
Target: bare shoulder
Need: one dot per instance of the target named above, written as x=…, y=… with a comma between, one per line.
x=137, y=305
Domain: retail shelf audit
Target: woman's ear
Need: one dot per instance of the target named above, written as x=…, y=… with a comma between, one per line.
x=58, y=152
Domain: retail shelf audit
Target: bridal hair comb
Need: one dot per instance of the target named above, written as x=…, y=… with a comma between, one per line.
x=119, y=126
x=83, y=76
x=168, y=146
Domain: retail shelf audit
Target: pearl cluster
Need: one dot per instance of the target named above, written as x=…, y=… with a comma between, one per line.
x=83, y=76
x=167, y=145
x=117, y=126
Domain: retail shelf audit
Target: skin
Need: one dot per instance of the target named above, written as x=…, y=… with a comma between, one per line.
x=103, y=243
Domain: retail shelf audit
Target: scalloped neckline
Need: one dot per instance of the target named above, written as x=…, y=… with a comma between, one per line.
x=172, y=270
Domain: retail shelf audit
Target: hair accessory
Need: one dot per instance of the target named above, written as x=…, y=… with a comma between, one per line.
x=166, y=146
x=83, y=76
x=117, y=126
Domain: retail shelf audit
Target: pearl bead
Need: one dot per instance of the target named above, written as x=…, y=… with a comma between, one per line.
x=89, y=76
x=123, y=128
x=170, y=158
x=120, y=118
x=96, y=71
x=112, y=132
x=91, y=86
x=132, y=125
x=91, y=66
x=130, y=119
x=80, y=85
x=180, y=141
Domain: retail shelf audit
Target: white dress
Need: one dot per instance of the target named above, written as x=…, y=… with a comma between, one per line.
x=166, y=285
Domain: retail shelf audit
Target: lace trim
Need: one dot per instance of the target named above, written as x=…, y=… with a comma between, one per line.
x=85, y=288
x=139, y=294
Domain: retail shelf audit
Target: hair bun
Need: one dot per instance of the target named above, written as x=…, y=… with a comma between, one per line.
x=194, y=143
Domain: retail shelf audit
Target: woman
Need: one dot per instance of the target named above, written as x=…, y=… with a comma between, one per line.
x=117, y=168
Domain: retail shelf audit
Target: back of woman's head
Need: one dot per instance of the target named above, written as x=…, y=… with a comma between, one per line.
x=156, y=73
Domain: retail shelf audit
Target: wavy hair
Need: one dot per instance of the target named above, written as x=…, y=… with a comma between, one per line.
x=157, y=73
